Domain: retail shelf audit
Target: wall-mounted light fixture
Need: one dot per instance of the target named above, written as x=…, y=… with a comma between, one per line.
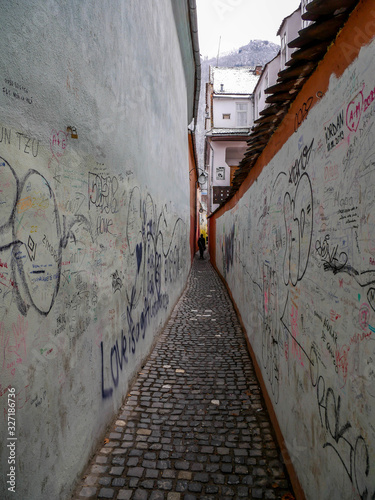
x=202, y=178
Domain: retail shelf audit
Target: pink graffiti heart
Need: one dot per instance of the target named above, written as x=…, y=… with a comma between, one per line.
x=58, y=142
x=354, y=111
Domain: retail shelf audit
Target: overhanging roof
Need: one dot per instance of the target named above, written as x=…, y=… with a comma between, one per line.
x=328, y=17
x=185, y=14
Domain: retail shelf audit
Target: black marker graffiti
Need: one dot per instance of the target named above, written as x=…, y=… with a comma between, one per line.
x=332, y=260
x=154, y=259
x=271, y=334
x=30, y=226
x=302, y=113
x=301, y=164
x=351, y=449
x=298, y=218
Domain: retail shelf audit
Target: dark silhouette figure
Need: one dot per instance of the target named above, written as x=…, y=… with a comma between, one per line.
x=201, y=246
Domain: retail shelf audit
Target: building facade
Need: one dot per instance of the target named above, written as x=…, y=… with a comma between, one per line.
x=229, y=118
x=287, y=32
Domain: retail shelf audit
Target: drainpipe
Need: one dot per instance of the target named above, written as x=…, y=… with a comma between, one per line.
x=197, y=59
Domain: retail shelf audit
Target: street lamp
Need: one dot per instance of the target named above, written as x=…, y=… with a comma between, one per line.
x=202, y=178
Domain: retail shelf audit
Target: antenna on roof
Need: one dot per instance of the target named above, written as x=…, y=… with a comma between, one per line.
x=218, y=52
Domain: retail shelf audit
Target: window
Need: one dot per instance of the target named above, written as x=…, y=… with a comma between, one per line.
x=283, y=50
x=219, y=193
x=303, y=10
x=241, y=110
x=226, y=116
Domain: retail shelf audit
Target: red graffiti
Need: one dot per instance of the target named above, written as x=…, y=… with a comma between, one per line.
x=354, y=112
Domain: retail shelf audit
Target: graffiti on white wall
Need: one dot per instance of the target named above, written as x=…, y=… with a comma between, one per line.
x=85, y=256
x=300, y=249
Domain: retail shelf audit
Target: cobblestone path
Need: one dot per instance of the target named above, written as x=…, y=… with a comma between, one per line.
x=194, y=424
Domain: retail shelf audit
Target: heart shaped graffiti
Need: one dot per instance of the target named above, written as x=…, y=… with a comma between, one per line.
x=354, y=111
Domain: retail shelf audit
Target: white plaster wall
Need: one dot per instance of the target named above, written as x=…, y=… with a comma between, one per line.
x=94, y=231
x=219, y=160
x=298, y=252
x=272, y=69
x=218, y=154
x=222, y=106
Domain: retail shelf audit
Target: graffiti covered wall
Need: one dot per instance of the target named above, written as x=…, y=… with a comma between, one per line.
x=94, y=222
x=298, y=253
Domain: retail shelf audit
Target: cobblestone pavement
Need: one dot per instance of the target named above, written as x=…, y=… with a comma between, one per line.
x=194, y=424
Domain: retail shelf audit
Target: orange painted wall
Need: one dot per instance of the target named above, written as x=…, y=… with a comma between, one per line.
x=193, y=179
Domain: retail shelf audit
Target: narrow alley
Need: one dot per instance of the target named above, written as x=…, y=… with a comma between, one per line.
x=194, y=424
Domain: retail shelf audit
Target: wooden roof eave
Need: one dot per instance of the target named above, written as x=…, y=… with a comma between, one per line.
x=319, y=8
x=324, y=30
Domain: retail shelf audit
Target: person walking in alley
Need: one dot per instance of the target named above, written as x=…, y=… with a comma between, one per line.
x=201, y=246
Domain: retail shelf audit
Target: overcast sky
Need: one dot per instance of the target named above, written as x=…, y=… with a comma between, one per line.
x=238, y=22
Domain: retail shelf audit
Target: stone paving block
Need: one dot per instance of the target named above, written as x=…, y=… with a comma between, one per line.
x=185, y=475
x=118, y=481
x=118, y=451
x=140, y=495
x=88, y=492
x=193, y=425
x=91, y=480
x=133, y=482
x=116, y=471
x=132, y=462
x=157, y=495
x=135, y=471
x=124, y=494
x=173, y=496
x=144, y=432
x=106, y=493
x=152, y=474
x=195, y=487
x=182, y=485
x=169, y=474
x=105, y=481
x=115, y=435
x=148, y=484
x=165, y=484
x=99, y=469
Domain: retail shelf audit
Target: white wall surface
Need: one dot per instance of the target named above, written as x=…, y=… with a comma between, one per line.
x=94, y=231
x=298, y=252
x=218, y=158
x=228, y=105
x=267, y=79
x=291, y=25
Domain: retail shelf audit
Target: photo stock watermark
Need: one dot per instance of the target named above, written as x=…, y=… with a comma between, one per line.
x=223, y=7
x=11, y=440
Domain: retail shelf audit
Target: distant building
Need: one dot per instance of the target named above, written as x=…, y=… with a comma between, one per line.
x=288, y=31
x=228, y=121
x=266, y=79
